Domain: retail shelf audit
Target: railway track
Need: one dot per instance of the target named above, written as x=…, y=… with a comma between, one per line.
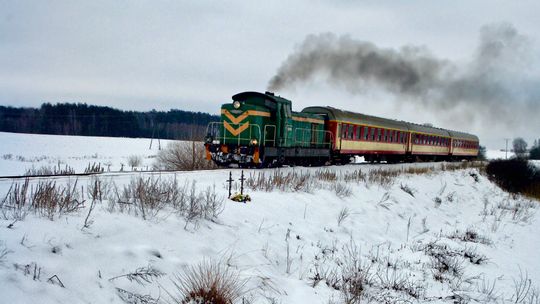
x=109, y=173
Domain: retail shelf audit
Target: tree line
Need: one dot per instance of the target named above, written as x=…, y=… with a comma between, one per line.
x=90, y=120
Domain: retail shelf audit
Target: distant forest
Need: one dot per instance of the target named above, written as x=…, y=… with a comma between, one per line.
x=89, y=120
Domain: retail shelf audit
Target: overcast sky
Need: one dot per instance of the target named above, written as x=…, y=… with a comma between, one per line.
x=194, y=55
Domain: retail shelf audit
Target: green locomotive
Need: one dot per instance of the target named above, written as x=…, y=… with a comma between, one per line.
x=260, y=130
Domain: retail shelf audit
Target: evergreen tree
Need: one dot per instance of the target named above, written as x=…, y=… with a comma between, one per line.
x=535, y=151
x=90, y=120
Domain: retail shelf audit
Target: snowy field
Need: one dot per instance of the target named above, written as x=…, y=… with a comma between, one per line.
x=22, y=152
x=440, y=236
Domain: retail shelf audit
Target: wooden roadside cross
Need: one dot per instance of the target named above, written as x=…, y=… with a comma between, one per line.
x=230, y=180
x=242, y=179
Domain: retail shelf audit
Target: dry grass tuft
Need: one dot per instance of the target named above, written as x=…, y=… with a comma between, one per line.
x=47, y=170
x=209, y=282
x=146, y=197
x=45, y=198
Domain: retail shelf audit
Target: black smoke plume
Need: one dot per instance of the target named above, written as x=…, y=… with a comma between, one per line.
x=494, y=80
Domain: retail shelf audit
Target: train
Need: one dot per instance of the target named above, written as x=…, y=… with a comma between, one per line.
x=261, y=130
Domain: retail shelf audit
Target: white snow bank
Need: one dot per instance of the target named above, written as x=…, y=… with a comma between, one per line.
x=279, y=239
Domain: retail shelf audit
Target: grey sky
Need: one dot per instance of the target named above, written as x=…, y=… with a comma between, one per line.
x=195, y=54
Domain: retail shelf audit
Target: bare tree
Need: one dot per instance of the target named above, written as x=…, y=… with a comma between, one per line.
x=520, y=147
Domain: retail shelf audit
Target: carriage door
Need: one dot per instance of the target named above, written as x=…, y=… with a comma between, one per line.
x=270, y=135
x=288, y=124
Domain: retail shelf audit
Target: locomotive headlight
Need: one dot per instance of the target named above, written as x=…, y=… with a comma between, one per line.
x=236, y=104
x=254, y=141
x=215, y=141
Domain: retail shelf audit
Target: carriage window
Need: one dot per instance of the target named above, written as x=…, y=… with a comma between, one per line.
x=351, y=131
x=366, y=134
x=343, y=130
x=373, y=134
x=379, y=134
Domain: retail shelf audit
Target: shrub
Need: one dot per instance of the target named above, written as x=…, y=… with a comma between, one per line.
x=209, y=282
x=134, y=161
x=470, y=235
x=183, y=156
x=535, y=153
x=515, y=176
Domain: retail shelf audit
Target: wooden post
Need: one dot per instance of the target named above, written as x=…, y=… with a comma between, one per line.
x=230, y=180
x=242, y=179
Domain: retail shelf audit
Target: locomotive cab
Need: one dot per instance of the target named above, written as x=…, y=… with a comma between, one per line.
x=246, y=123
x=259, y=129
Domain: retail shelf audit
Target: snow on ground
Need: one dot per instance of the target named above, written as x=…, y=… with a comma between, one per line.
x=280, y=241
x=21, y=152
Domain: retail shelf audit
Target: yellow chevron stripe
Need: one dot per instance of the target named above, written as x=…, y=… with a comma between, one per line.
x=235, y=120
x=305, y=119
x=235, y=132
x=239, y=119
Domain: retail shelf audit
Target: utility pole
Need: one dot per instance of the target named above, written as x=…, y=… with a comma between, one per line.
x=506, y=150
